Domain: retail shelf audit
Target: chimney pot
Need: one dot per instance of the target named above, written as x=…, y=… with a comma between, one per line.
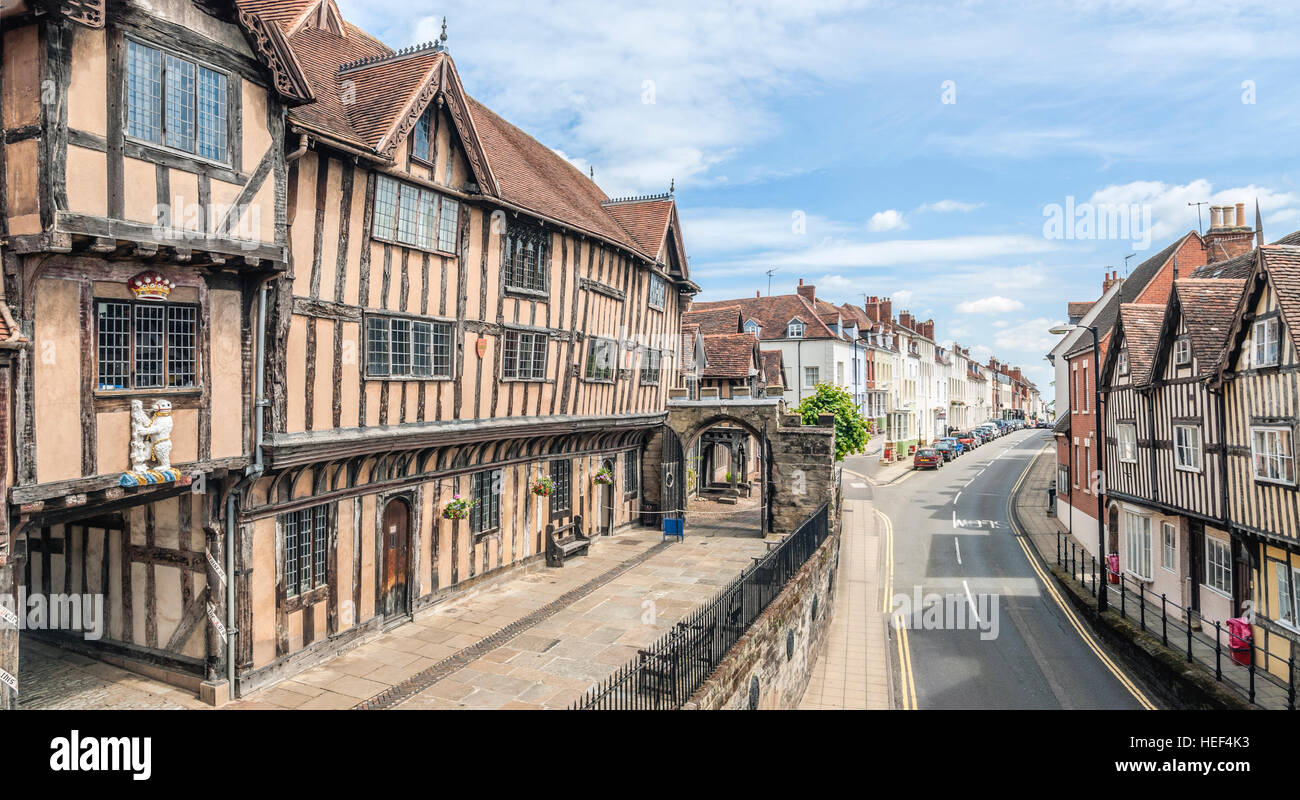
x=1216, y=217
x=1241, y=215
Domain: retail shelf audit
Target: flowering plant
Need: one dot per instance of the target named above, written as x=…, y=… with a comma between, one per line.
x=544, y=486
x=458, y=508
x=604, y=477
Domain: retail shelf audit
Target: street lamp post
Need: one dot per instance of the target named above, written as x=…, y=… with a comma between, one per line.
x=1101, y=454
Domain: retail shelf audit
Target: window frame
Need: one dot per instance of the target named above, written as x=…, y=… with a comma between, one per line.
x=317, y=552
x=1062, y=479
x=1275, y=322
x=1168, y=546
x=657, y=282
x=1122, y=366
x=1141, y=554
x=1224, y=570
x=1179, y=448
x=631, y=474
x=1284, y=458
x=561, y=471
x=591, y=372
x=425, y=121
x=522, y=232
x=165, y=356
x=517, y=335
x=817, y=372
x=790, y=329
x=484, y=511
x=1284, y=572
x=1123, y=444
x=655, y=370
x=432, y=323
x=1182, y=352
x=162, y=144
x=393, y=235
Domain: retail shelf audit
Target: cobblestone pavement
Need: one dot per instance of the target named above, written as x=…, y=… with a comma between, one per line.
x=853, y=671
x=53, y=678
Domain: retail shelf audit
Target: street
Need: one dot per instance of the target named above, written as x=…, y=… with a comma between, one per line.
x=983, y=629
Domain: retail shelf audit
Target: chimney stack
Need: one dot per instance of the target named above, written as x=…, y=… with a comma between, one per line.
x=807, y=292
x=1111, y=278
x=886, y=309
x=1229, y=235
x=905, y=319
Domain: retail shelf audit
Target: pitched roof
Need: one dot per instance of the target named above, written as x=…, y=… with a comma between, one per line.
x=645, y=220
x=282, y=12
x=1207, y=307
x=774, y=313
x=1078, y=309
x=773, y=367
x=726, y=319
x=1141, y=325
x=730, y=355
x=1236, y=267
x=1283, y=266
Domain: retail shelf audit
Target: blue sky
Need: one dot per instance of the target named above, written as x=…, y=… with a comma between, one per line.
x=833, y=113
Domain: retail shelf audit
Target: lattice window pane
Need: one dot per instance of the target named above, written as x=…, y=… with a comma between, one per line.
x=377, y=346
x=320, y=547
x=428, y=218
x=447, y=225
x=539, y=355
x=401, y=346
x=510, y=355
x=143, y=92
x=630, y=473
x=440, y=348
x=113, y=322
x=212, y=102
x=290, y=523
x=420, y=344
x=150, y=326
x=182, y=361
x=420, y=147
x=408, y=215
x=385, y=207
x=562, y=497
x=486, y=515
x=525, y=258
x=180, y=103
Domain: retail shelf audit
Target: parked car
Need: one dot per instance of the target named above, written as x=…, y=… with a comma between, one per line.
x=1044, y=424
x=927, y=458
x=957, y=446
x=946, y=450
x=968, y=440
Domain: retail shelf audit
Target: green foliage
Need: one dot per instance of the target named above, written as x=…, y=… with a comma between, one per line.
x=852, y=430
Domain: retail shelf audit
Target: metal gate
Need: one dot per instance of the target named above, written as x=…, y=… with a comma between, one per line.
x=672, y=489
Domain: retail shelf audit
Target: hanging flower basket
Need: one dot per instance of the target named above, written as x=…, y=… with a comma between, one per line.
x=458, y=508
x=604, y=477
x=544, y=486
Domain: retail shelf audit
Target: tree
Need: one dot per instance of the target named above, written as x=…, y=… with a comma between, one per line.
x=852, y=430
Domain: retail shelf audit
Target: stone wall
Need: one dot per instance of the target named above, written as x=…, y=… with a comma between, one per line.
x=769, y=668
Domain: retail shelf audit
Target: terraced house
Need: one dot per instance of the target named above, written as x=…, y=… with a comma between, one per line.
x=412, y=301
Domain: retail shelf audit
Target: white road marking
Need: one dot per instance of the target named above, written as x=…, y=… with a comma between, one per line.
x=954, y=518
x=858, y=485
x=955, y=499
x=971, y=599
x=957, y=544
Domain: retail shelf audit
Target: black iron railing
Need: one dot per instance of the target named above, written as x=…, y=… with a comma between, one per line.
x=1265, y=678
x=666, y=674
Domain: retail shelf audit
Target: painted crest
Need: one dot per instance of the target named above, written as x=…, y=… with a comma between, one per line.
x=480, y=346
x=150, y=285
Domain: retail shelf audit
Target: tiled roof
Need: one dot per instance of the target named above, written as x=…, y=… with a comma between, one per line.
x=1207, y=307
x=773, y=367
x=1078, y=309
x=1236, y=267
x=1141, y=324
x=321, y=53
x=646, y=221
x=731, y=355
x=1283, y=266
x=714, y=320
x=774, y=313
x=282, y=12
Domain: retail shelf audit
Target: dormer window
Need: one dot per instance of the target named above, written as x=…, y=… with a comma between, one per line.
x=753, y=328
x=1182, y=352
x=794, y=330
x=1264, y=342
x=420, y=145
x=1123, y=362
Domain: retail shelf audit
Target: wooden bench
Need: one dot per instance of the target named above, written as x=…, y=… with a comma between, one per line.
x=565, y=540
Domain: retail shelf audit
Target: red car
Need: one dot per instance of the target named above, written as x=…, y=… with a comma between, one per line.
x=927, y=457
x=967, y=440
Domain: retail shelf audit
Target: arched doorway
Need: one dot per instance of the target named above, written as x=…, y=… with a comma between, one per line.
x=608, y=500
x=396, y=533
x=725, y=494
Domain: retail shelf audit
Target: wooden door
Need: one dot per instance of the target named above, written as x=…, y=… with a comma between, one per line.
x=607, y=507
x=397, y=544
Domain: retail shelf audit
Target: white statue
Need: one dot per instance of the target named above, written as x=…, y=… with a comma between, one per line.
x=160, y=434
x=139, y=437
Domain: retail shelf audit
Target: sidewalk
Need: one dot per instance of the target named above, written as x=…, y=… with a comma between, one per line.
x=853, y=671
x=876, y=473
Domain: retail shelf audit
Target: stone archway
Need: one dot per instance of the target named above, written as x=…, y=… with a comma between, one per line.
x=797, y=461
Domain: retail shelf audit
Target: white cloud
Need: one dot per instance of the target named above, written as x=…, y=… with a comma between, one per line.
x=1030, y=336
x=901, y=299
x=1171, y=216
x=946, y=206
x=887, y=220
x=997, y=304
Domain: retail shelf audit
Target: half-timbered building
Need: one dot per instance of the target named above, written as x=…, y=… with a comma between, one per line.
x=466, y=314
x=1260, y=381
x=143, y=212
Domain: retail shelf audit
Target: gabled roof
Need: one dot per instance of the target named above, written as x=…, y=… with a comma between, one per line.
x=1240, y=266
x=775, y=313
x=1139, y=329
x=773, y=367
x=726, y=319
x=645, y=219
x=730, y=355
x=1206, y=306
x=1281, y=265
x=1078, y=309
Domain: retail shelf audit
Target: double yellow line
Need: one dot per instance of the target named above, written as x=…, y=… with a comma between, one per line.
x=907, y=679
x=1050, y=586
